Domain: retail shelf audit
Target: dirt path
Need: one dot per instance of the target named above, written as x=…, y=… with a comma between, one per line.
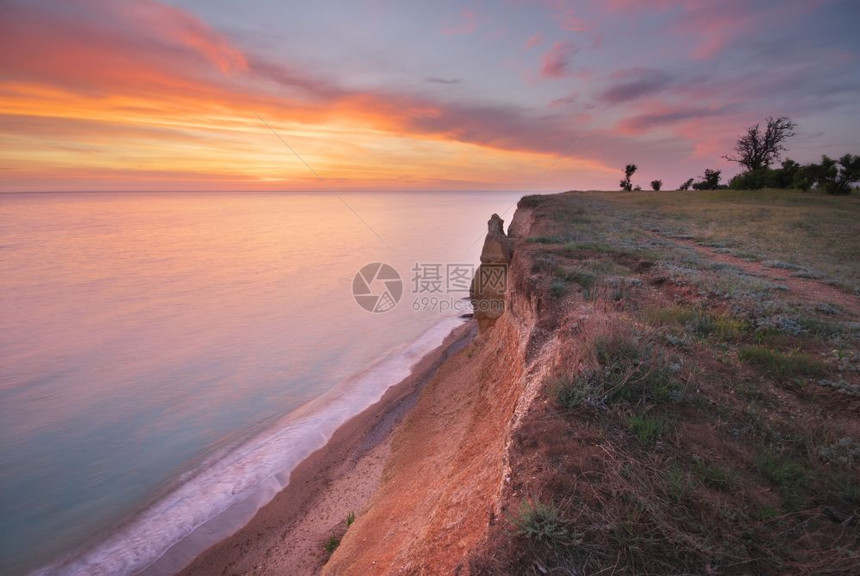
x=803, y=288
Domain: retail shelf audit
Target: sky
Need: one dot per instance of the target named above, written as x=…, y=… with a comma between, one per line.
x=523, y=95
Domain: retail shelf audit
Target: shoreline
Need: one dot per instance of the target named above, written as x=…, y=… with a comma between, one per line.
x=288, y=534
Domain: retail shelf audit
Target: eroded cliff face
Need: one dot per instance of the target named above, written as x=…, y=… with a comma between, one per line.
x=441, y=486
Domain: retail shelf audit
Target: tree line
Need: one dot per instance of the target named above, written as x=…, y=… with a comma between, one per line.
x=756, y=151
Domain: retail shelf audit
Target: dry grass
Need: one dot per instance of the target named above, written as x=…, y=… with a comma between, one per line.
x=811, y=232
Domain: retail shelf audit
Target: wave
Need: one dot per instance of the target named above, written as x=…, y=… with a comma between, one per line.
x=226, y=492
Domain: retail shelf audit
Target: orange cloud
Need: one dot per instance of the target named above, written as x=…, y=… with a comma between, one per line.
x=149, y=94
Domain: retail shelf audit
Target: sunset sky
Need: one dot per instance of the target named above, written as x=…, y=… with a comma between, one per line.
x=147, y=95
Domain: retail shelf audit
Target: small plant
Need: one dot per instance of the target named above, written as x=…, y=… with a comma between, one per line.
x=714, y=476
x=789, y=476
x=350, y=518
x=541, y=522
x=656, y=185
x=331, y=544
x=775, y=363
x=647, y=429
x=584, y=279
x=558, y=288
x=677, y=484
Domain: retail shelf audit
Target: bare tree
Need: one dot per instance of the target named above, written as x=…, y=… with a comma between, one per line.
x=760, y=148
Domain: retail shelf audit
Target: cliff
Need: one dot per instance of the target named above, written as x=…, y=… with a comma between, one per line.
x=441, y=486
x=620, y=411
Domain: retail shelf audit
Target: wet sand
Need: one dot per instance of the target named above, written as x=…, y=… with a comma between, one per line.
x=288, y=535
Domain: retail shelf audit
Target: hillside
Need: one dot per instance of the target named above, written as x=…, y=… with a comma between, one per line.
x=674, y=387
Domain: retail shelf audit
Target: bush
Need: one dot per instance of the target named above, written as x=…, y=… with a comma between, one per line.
x=839, y=176
x=331, y=544
x=656, y=185
x=686, y=185
x=710, y=181
x=753, y=180
x=558, y=288
x=541, y=522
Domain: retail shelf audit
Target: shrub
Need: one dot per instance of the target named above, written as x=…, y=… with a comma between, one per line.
x=541, y=522
x=840, y=180
x=710, y=181
x=753, y=180
x=625, y=184
x=331, y=544
x=558, y=288
x=686, y=185
x=656, y=185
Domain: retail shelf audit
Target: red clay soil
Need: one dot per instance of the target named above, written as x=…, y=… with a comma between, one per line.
x=442, y=481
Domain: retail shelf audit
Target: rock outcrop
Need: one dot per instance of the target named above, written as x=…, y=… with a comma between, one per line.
x=491, y=279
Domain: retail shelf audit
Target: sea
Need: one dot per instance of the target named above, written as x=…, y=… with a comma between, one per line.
x=166, y=359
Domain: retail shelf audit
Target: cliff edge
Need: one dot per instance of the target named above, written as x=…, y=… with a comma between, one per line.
x=635, y=402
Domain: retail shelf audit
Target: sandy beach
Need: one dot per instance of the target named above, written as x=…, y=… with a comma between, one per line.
x=288, y=535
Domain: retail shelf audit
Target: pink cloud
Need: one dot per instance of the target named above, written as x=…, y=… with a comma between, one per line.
x=466, y=25
x=535, y=40
x=556, y=61
x=566, y=16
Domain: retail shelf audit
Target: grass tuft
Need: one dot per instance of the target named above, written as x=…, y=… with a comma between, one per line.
x=648, y=428
x=715, y=476
x=331, y=544
x=780, y=365
x=541, y=522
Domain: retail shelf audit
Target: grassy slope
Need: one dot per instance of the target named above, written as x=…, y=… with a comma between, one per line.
x=700, y=419
x=819, y=233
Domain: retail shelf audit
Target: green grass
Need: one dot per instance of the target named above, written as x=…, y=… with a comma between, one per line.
x=575, y=247
x=698, y=322
x=676, y=482
x=558, y=288
x=648, y=428
x=585, y=279
x=541, y=522
x=781, y=365
x=715, y=476
x=331, y=544
x=547, y=240
x=627, y=372
x=350, y=518
x=790, y=477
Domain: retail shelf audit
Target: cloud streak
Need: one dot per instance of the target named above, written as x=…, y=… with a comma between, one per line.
x=556, y=61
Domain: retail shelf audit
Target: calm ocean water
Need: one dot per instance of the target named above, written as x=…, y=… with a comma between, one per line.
x=167, y=359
